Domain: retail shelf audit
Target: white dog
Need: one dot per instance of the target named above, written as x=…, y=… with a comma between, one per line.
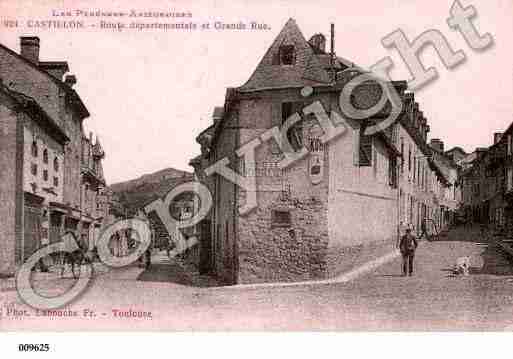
x=462, y=265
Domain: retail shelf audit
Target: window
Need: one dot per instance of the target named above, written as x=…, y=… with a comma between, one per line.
x=56, y=181
x=56, y=164
x=286, y=111
x=419, y=171
x=315, y=170
x=402, y=155
x=392, y=172
x=34, y=149
x=375, y=162
x=33, y=169
x=287, y=55
x=365, y=149
x=45, y=175
x=45, y=155
x=280, y=218
x=295, y=133
x=409, y=158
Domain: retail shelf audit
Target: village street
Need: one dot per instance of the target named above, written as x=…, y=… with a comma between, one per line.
x=433, y=299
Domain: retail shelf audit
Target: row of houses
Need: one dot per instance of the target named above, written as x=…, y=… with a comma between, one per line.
x=487, y=183
x=347, y=197
x=51, y=177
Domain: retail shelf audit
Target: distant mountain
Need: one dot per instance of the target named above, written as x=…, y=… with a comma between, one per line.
x=136, y=193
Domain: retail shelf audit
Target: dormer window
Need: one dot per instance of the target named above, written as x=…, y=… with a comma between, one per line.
x=287, y=55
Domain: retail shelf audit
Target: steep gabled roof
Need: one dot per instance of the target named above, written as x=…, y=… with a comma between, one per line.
x=306, y=70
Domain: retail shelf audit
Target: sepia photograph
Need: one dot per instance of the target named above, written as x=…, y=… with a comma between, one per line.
x=273, y=166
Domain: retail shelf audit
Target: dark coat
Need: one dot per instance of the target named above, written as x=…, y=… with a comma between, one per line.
x=408, y=244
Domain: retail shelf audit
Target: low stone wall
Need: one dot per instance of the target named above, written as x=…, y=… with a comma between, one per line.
x=288, y=260
x=305, y=258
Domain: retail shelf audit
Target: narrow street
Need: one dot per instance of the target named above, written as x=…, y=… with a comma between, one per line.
x=433, y=299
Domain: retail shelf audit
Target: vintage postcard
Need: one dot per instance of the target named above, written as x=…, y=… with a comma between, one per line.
x=256, y=166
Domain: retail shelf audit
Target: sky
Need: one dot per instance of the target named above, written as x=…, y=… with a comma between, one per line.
x=150, y=93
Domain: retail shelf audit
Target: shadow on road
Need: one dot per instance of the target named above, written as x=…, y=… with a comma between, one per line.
x=177, y=273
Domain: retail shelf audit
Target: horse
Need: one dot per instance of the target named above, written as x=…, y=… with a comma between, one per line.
x=77, y=257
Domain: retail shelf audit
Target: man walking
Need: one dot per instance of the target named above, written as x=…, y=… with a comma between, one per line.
x=407, y=245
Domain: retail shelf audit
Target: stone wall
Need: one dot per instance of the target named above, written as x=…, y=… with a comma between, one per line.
x=11, y=193
x=270, y=251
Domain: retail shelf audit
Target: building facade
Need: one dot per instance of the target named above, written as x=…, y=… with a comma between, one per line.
x=51, y=191
x=487, y=184
x=317, y=216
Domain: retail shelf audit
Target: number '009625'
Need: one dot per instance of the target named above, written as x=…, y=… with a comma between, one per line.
x=34, y=347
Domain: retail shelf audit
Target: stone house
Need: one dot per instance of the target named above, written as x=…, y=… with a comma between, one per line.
x=53, y=179
x=344, y=200
x=488, y=184
x=450, y=193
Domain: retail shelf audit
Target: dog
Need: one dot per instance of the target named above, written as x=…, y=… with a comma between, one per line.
x=462, y=266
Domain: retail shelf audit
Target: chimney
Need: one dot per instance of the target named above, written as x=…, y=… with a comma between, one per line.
x=437, y=144
x=218, y=114
x=70, y=80
x=480, y=151
x=318, y=41
x=332, y=45
x=497, y=137
x=29, y=48
x=55, y=68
